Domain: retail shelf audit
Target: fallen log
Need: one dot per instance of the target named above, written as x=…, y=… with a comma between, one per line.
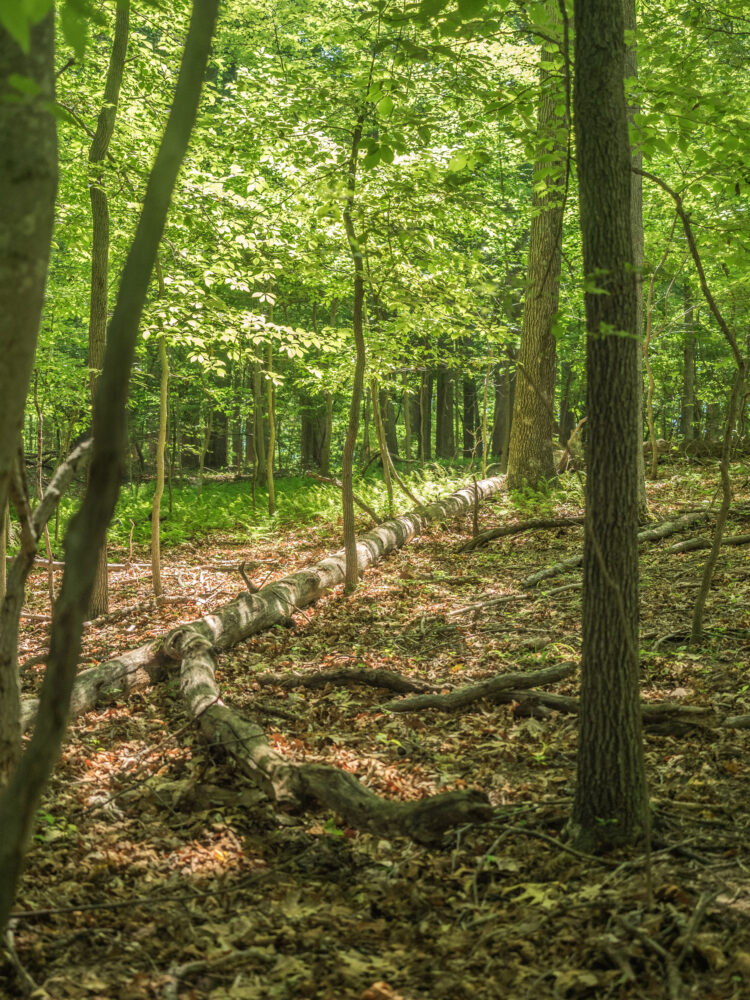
x=489, y=690
x=654, y=534
x=298, y=786
x=387, y=679
x=274, y=604
x=534, y=524
x=691, y=544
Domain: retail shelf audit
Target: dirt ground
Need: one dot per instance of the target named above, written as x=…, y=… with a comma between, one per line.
x=157, y=872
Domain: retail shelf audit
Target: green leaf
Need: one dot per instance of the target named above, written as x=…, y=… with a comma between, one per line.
x=24, y=84
x=16, y=22
x=385, y=106
x=386, y=154
x=74, y=27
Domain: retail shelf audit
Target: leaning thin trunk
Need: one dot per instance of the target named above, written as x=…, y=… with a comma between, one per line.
x=87, y=530
x=350, y=443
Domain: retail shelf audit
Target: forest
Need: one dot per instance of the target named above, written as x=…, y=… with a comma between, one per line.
x=374, y=499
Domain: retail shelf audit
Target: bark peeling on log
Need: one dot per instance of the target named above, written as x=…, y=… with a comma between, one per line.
x=249, y=614
x=297, y=786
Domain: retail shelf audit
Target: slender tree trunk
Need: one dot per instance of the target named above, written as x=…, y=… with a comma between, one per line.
x=85, y=536
x=444, y=442
x=688, y=415
x=325, y=449
x=3, y=551
x=351, y=577
x=471, y=417
x=208, y=423
x=28, y=184
x=610, y=806
x=377, y=418
x=161, y=442
x=425, y=417
x=100, y=246
x=40, y=488
x=407, y=424
x=530, y=458
x=271, y=410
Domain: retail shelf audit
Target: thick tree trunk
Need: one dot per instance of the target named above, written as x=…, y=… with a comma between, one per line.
x=425, y=417
x=636, y=221
x=100, y=247
x=444, y=442
x=28, y=183
x=388, y=416
x=530, y=457
x=20, y=800
x=610, y=806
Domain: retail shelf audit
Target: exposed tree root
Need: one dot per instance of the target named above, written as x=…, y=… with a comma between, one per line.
x=249, y=613
x=654, y=534
x=490, y=690
x=388, y=679
x=297, y=786
x=534, y=524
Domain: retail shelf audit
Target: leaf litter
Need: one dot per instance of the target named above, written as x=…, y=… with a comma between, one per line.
x=156, y=873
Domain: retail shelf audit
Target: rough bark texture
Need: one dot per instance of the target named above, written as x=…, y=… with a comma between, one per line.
x=630, y=23
x=100, y=247
x=530, y=458
x=425, y=417
x=444, y=442
x=610, y=804
x=86, y=533
x=161, y=442
x=471, y=430
x=249, y=614
x=28, y=184
x=486, y=690
x=295, y=786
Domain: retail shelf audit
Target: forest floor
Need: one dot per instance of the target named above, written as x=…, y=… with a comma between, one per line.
x=156, y=872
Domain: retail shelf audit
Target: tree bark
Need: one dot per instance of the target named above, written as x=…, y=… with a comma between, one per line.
x=688, y=421
x=610, y=806
x=530, y=454
x=100, y=247
x=28, y=184
x=350, y=442
x=444, y=443
x=161, y=442
x=87, y=530
x=471, y=417
x=630, y=22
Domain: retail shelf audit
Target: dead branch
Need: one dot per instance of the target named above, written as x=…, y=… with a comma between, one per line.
x=533, y=524
x=486, y=690
x=659, y=531
x=387, y=679
x=691, y=544
x=296, y=786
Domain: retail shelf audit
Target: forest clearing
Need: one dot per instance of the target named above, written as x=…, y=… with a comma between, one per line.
x=374, y=419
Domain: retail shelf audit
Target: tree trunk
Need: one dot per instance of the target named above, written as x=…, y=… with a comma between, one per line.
x=100, y=246
x=28, y=184
x=566, y=419
x=86, y=533
x=636, y=221
x=610, y=806
x=688, y=423
x=161, y=442
x=471, y=417
x=351, y=575
x=377, y=419
x=388, y=416
x=425, y=417
x=407, y=397
x=530, y=458
x=444, y=443
x=271, y=410
x=259, y=435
